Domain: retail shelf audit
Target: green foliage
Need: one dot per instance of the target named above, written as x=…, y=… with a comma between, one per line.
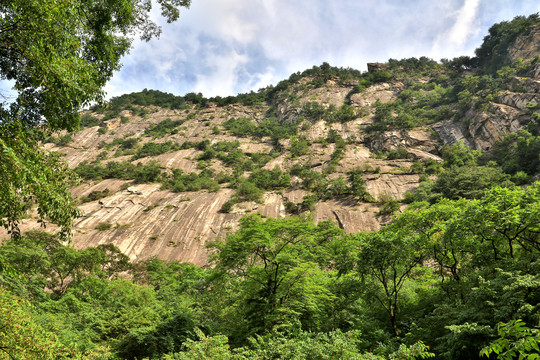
x=445, y=273
x=493, y=53
x=126, y=144
x=270, y=179
x=95, y=195
x=165, y=127
x=248, y=191
x=150, y=172
x=469, y=182
x=399, y=153
x=167, y=337
x=207, y=348
x=515, y=341
x=412, y=109
x=32, y=175
x=299, y=147
x=274, y=129
x=71, y=54
x=517, y=152
x=304, y=345
x=313, y=111
x=88, y=120
x=144, y=98
x=155, y=149
x=227, y=206
x=271, y=127
x=417, y=350
x=388, y=205
x=21, y=337
x=344, y=114
x=242, y=127
x=180, y=182
x=103, y=226
x=458, y=154
x=277, y=259
x=63, y=140
x=388, y=266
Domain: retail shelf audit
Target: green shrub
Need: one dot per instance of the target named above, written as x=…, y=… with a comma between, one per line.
x=178, y=181
x=242, y=127
x=270, y=180
x=388, y=205
x=299, y=147
x=313, y=111
x=166, y=127
x=469, y=182
x=308, y=203
x=95, y=195
x=248, y=191
x=103, y=226
x=62, y=140
x=88, y=120
x=153, y=149
x=399, y=153
x=291, y=207
x=227, y=206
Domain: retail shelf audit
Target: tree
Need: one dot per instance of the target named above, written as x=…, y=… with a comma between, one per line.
x=387, y=259
x=279, y=267
x=59, y=55
x=21, y=337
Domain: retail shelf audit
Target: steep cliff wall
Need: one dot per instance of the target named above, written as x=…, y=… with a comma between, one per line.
x=146, y=219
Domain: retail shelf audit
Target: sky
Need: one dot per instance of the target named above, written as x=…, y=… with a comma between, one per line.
x=226, y=47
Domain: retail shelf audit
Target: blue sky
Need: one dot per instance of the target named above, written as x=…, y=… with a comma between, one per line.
x=225, y=47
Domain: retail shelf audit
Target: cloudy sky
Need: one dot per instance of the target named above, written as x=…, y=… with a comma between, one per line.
x=226, y=47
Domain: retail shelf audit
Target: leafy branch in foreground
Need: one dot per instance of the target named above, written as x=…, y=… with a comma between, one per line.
x=516, y=341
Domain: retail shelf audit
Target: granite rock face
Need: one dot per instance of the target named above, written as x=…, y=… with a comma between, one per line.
x=144, y=220
x=526, y=47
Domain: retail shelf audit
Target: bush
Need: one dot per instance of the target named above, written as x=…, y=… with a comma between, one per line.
x=299, y=147
x=227, y=206
x=153, y=149
x=242, y=127
x=469, y=182
x=308, y=203
x=60, y=140
x=95, y=195
x=180, y=182
x=292, y=208
x=270, y=180
x=389, y=205
x=88, y=120
x=399, y=153
x=166, y=127
x=248, y=191
x=103, y=226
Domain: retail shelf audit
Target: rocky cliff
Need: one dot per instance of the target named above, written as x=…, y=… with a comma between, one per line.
x=145, y=219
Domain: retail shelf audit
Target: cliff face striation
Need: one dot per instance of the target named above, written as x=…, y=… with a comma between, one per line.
x=165, y=178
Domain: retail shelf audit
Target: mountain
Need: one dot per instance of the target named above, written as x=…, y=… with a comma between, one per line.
x=163, y=175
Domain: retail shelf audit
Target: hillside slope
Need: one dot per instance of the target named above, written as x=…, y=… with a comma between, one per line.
x=165, y=175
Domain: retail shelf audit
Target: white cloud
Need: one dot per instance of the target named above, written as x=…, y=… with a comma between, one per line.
x=222, y=47
x=466, y=24
x=222, y=76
